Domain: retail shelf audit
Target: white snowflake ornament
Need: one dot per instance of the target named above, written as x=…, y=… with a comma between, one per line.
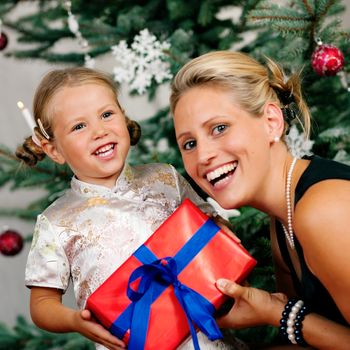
x=89, y=61
x=143, y=62
x=297, y=144
x=224, y=213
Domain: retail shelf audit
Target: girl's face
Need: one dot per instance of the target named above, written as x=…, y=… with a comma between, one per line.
x=225, y=149
x=90, y=133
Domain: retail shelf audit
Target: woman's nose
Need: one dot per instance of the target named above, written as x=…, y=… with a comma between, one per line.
x=205, y=152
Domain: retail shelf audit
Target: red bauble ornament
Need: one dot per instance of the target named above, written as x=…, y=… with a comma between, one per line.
x=11, y=242
x=3, y=40
x=327, y=60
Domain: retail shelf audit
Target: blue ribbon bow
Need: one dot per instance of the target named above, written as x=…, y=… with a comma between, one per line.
x=156, y=275
x=198, y=310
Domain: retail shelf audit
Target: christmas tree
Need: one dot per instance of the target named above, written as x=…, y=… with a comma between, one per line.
x=150, y=41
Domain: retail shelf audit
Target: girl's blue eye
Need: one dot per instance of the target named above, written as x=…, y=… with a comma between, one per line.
x=106, y=115
x=219, y=129
x=78, y=127
x=189, y=145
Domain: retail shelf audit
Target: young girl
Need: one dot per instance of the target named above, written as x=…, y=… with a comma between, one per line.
x=110, y=209
x=231, y=114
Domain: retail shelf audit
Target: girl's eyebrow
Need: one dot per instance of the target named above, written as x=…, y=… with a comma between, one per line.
x=73, y=121
x=108, y=105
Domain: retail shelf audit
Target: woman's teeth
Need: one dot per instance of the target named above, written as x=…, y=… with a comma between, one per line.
x=220, y=173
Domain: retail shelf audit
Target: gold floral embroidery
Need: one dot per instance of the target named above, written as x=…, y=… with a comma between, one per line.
x=96, y=201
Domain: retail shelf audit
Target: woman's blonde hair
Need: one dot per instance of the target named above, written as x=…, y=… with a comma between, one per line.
x=51, y=83
x=251, y=83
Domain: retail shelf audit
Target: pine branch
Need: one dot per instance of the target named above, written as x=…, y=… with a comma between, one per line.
x=26, y=336
x=308, y=8
x=46, y=174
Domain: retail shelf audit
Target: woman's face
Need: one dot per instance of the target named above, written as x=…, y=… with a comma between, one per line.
x=225, y=149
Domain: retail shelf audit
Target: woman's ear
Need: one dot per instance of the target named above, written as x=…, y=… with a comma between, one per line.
x=51, y=151
x=274, y=120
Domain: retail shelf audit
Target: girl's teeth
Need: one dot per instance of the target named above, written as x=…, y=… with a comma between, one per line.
x=106, y=154
x=105, y=149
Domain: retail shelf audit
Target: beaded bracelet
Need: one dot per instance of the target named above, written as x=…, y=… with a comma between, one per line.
x=298, y=325
x=284, y=319
x=291, y=321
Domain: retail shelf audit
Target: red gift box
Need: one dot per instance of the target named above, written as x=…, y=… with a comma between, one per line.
x=199, y=253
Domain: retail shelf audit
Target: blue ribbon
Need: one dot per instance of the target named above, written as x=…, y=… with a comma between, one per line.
x=156, y=275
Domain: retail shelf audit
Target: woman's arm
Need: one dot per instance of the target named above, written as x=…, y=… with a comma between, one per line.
x=322, y=224
x=48, y=312
x=254, y=307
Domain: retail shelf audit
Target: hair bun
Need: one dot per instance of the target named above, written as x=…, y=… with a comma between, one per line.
x=134, y=129
x=30, y=153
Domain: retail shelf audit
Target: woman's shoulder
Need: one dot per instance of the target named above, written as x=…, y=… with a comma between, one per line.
x=324, y=198
x=316, y=172
x=323, y=211
x=322, y=168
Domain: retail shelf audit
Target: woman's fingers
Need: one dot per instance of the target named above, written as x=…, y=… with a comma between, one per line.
x=230, y=288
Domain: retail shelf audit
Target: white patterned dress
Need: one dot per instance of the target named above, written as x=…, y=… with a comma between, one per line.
x=85, y=235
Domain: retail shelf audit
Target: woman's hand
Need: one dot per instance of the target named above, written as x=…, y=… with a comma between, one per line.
x=86, y=325
x=252, y=307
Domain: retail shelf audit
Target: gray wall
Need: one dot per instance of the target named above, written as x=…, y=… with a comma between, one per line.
x=18, y=80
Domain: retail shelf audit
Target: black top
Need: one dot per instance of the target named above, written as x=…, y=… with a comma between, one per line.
x=309, y=288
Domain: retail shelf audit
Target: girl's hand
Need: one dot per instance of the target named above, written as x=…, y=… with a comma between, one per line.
x=86, y=325
x=252, y=307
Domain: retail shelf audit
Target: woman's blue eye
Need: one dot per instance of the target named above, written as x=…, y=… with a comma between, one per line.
x=189, y=145
x=219, y=129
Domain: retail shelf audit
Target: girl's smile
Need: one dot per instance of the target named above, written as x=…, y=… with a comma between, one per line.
x=106, y=151
x=90, y=133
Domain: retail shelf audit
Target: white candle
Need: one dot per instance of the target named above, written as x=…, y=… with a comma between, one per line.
x=27, y=116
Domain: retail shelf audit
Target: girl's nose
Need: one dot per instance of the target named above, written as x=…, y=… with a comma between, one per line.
x=99, y=130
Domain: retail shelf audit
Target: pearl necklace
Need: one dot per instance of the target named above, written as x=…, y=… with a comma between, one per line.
x=289, y=232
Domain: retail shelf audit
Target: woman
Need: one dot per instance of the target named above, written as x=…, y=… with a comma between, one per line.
x=231, y=115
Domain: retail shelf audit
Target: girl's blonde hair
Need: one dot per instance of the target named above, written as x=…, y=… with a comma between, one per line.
x=51, y=83
x=251, y=83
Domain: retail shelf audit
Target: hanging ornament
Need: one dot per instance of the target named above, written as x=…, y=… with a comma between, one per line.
x=3, y=38
x=327, y=60
x=11, y=242
x=73, y=26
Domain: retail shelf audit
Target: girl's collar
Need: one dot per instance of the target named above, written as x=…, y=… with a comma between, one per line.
x=86, y=189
